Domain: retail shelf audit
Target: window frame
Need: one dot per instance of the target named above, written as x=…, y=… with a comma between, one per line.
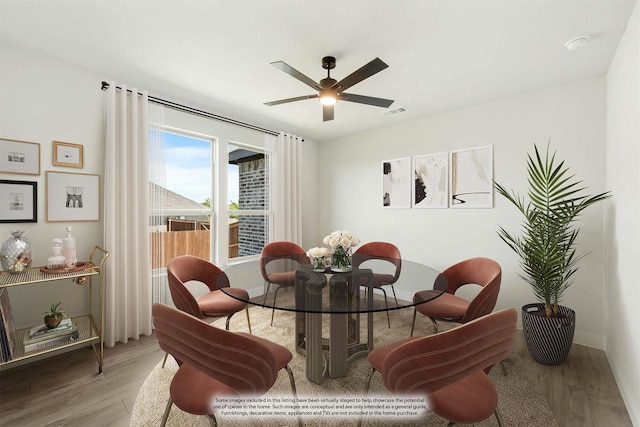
x=211, y=210
x=268, y=212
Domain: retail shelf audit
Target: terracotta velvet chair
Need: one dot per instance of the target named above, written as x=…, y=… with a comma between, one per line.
x=276, y=253
x=186, y=268
x=215, y=363
x=386, y=252
x=452, y=308
x=450, y=368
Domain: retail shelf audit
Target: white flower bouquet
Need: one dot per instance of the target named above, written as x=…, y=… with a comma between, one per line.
x=341, y=244
x=320, y=258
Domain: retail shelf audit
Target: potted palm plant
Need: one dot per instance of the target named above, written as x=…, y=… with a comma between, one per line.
x=546, y=247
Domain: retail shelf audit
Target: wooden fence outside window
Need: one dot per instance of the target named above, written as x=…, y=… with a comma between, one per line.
x=187, y=237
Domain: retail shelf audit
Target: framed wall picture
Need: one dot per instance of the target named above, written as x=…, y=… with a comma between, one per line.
x=396, y=183
x=67, y=154
x=430, y=181
x=19, y=157
x=73, y=197
x=18, y=201
x=471, y=181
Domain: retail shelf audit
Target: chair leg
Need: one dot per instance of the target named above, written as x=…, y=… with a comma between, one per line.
x=499, y=417
x=166, y=355
x=273, y=310
x=366, y=391
x=394, y=294
x=248, y=319
x=165, y=416
x=435, y=324
x=264, y=301
x=167, y=410
x=293, y=390
x=386, y=306
x=413, y=324
x=212, y=420
x=385, y=301
x=228, y=319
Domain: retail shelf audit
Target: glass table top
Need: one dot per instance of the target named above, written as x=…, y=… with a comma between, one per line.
x=309, y=291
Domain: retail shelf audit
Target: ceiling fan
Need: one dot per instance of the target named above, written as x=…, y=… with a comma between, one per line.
x=330, y=90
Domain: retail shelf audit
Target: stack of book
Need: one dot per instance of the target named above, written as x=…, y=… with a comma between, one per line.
x=7, y=328
x=41, y=336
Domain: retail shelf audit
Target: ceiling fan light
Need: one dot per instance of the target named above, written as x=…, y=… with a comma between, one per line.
x=328, y=97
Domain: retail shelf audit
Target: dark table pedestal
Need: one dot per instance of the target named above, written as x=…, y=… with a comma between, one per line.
x=344, y=342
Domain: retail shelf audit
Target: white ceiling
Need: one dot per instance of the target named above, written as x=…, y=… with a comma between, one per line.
x=442, y=54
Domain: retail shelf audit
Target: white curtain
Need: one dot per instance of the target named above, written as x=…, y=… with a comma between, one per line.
x=126, y=217
x=284, y=152
x=157, y=195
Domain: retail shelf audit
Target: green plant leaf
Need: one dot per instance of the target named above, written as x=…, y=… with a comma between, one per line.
x=546, y=246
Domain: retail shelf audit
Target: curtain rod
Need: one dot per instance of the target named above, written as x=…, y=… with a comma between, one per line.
x=192, y=110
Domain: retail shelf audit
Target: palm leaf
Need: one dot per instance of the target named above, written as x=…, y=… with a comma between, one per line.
x=546, y=247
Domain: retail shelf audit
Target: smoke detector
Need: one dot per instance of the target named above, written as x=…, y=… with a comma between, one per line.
x=577, y=42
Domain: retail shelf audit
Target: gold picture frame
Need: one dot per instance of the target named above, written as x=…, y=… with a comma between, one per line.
x=72, y=196
x=20, y=157
x=67, y=154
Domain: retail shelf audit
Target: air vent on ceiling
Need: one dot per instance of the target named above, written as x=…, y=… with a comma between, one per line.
x=395, y=111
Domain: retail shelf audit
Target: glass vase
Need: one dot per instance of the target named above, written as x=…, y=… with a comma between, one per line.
x=15, y=253
x=341, y=260
x=318, y=264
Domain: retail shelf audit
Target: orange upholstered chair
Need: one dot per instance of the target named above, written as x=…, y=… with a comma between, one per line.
x=186, y=268
x=214, y=362
x=450, y=368
x=277, y=253
x=449, y=307
x=381, y=251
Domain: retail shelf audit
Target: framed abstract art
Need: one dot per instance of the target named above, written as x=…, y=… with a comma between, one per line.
x=396, y=183
x=430, y=181
x=471, y=180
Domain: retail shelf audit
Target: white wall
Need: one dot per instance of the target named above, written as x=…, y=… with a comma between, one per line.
x=622, y=224
x=572, y=117
x=44, y=101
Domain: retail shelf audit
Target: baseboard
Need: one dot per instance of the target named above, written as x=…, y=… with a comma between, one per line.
x=589, y=340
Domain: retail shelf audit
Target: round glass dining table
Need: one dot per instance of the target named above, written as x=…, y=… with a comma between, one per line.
x=342, y=297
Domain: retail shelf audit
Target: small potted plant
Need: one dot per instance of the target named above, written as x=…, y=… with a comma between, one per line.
x=54, y=316
x=547, y=252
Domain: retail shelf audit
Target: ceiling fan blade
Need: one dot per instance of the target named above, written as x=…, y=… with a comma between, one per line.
x=327, y=113
x=369, y=100
x=296, y=74
x=359, y=75
x=297, y=98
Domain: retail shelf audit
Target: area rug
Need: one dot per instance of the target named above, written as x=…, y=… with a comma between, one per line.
x=519, y=401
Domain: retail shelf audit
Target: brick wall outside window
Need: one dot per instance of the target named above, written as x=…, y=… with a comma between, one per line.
x=252, y=196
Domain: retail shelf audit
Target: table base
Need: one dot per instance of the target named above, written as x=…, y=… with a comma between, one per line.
x=330, y=356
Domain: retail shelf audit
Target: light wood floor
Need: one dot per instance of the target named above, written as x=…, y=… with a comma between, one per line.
x=66, y=390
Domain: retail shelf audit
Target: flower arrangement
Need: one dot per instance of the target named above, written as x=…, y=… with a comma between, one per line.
x=341, y=244
x=319, y=257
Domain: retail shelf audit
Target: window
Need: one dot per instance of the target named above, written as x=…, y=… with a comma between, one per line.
x=247, y=189
x=181, y=174
x=192, y=209
x=184, y=206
